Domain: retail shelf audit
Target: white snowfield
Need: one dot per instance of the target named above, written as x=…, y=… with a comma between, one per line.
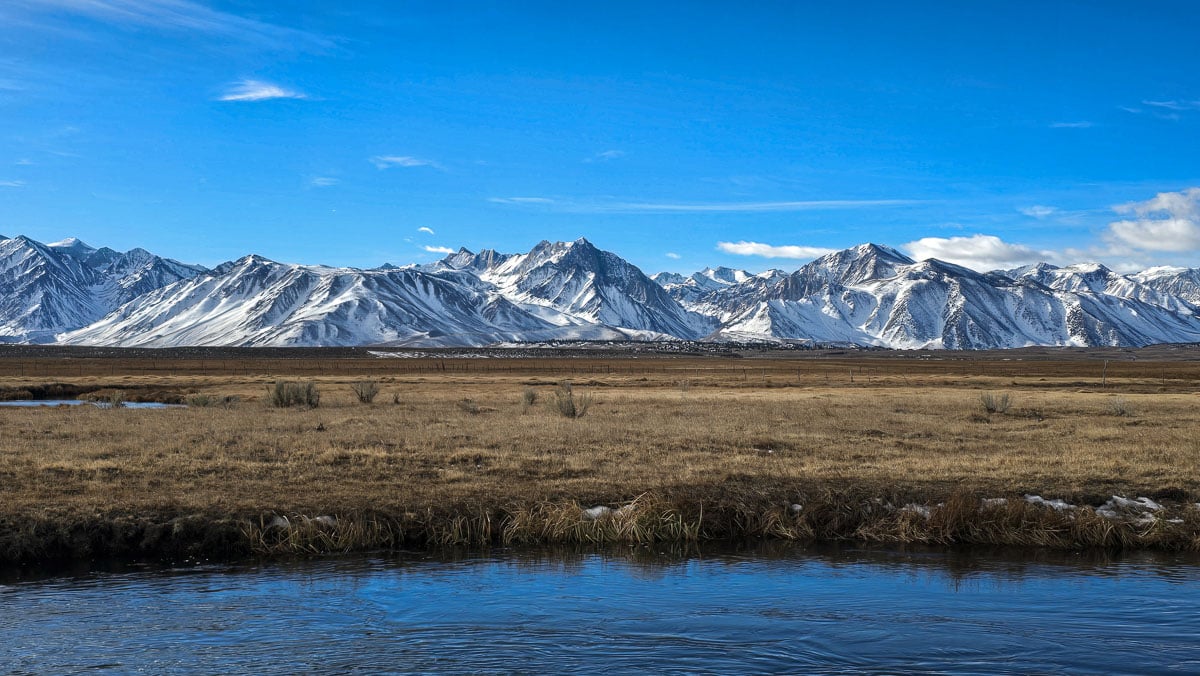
x=867, y=295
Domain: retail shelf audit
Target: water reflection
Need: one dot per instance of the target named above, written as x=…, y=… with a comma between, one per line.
x=737, y=608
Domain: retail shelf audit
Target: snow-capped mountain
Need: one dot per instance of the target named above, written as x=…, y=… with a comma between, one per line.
x=689, y=290
x=46, y=289
x=256, y=302
x=576, y=282
x=557, y=291
x=865, y=295
x=875, y=295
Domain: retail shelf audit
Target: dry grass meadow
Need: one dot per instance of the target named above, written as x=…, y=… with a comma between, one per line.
x=455, y=451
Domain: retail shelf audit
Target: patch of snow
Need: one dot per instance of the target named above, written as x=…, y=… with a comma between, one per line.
x=596, y=512
x=1057, y=505
x=1139, y=511
x=917, y=509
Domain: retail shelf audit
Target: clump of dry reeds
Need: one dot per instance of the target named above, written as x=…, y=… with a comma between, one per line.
x=567, y=404
x=365, y=390
x=995, y=403
x=528, y=399
x=287, y=393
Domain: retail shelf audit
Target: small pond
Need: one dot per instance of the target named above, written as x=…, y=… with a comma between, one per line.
x=31, y=403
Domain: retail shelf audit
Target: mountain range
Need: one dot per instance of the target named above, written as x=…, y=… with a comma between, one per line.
x=870, y=295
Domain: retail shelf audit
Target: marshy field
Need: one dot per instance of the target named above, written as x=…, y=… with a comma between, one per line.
x=309, y=451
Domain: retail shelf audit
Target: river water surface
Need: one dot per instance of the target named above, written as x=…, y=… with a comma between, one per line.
x=765, y=609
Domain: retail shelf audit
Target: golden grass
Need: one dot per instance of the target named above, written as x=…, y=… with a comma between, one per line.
x=700, y=448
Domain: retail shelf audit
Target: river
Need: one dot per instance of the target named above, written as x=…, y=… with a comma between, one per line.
x=762, y=608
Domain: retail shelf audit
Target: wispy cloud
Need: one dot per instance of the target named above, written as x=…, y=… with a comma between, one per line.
x=606, y=156
x=258, y=90
x=978, y=252
x=672, y=255
x=1081, y=124
x=177, y=15
x=1170, y=221
x=1177, y=106
x=439, y=249
x=771, y=251
x=427, y=231
x=698, y=207
x=389, y=161
x=1039, y=211
x=24, y=162
x=12, y=184
x=521, y=200
x=808, y=205
x=323, y=181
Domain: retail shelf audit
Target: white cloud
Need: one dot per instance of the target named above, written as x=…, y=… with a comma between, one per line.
x=674, y=207
x=24, y=162
x=1039, y=211
x=428, y=231
x=389, y=161
x=12, y=184
x=1081, y=124
x=770, y=251
x=323, y=182
x=180, y=15
x=673, y=256
x=521, y=200
x=1170, y=221
x=978, y=252
x=806, y=205
x=258, y=90
x=606, y=156
x=439, y=249
x=1174, y=105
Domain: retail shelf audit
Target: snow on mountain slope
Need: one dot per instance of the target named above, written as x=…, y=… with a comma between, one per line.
x=1179, y=283
x=255, y=302
x=865, y=295
x=876, y=296
x=692, y=291
x=588, y=285
x=49, y=288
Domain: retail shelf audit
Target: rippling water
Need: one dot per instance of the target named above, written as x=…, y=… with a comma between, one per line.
x=770, y=609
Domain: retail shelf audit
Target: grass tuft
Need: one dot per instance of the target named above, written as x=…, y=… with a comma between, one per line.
x=995, y=403
x=365, y=390
x=285, y=394
x=567, y=404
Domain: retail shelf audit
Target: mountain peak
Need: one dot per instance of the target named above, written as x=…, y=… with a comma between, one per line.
x=871, y=249
x=72, y=245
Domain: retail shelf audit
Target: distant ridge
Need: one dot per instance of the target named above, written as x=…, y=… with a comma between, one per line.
x=71, y=293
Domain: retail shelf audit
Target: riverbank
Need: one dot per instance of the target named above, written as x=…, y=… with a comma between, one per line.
x=671, y=449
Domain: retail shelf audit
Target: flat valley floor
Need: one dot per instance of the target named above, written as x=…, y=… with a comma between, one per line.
x=474, y=447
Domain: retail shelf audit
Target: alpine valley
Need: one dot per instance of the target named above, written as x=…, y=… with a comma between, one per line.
x=870, y=295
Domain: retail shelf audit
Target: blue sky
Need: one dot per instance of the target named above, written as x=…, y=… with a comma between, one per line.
x=678, y=135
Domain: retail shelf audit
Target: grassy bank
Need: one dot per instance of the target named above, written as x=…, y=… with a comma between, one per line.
x=676, y=449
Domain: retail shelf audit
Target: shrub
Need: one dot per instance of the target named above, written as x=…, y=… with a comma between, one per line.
x=528, y=398
x=469, y=406
x=1120, y=407
x=201, y=401
x=286, y=393
x=209, y=400
x=995, y=403
x=114, y=399
x=365, y=390
x=567, y=404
